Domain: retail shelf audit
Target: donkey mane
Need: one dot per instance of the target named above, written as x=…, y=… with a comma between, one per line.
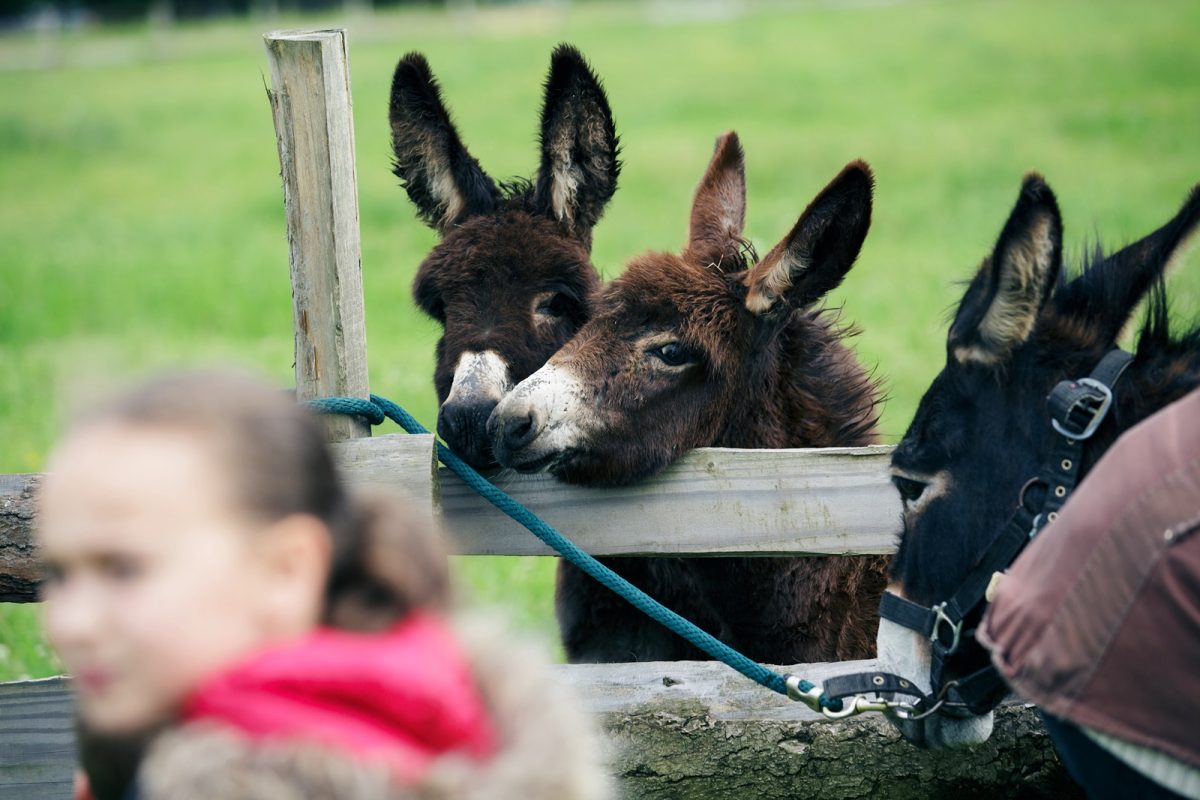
x=1167, y=362
x=740, y=257
x=1156, y=336
x=511, y=194
x=836, y=400
x=518, y=194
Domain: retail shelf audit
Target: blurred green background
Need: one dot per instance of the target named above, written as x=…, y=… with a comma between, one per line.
x=141, y=220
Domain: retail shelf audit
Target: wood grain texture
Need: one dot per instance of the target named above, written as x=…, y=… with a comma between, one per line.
x=37, y=740
x=314, y=127
x=686, y=730
x=403, y=463
x=19, y=567
x=831, y=501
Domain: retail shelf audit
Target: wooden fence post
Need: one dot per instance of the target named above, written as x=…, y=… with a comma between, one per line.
x=314, y=127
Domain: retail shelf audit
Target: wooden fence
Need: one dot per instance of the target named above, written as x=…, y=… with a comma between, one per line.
x=673, y=730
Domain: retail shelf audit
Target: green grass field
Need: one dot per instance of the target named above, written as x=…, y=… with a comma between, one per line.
x=141, y=221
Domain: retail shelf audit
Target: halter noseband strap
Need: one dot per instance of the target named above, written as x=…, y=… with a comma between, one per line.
x=1077, y=408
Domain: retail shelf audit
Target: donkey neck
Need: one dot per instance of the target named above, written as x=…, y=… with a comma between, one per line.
x=806, y=389
x=1151, y=384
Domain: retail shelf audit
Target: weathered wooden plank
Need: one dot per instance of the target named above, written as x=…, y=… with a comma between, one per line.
x=19, y=569
x=310, y=102
x=401, y=462
x=712, y=501
x=672, y=730
x=754, y=502
x=37, y=740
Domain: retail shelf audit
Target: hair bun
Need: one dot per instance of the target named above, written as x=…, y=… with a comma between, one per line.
x=390, y=564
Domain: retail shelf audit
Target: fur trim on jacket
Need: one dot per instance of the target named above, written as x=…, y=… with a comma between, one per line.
x=547, y=750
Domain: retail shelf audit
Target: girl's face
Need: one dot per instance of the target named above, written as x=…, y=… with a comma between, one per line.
x=154, y=580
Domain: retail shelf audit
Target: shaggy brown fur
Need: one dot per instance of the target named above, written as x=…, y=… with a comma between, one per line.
x=695, y=350
x=512, y=273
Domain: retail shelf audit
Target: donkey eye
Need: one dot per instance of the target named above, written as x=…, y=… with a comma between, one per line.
x=556, y=305
x=910, y=490
x=673, y=354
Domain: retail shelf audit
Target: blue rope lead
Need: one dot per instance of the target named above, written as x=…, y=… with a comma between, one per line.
x=377, y=408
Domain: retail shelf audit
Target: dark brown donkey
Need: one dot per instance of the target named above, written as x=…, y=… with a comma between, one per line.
x=701, y=349
x=511, y=278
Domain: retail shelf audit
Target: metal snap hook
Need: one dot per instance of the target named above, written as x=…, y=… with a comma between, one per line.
x=859, y=705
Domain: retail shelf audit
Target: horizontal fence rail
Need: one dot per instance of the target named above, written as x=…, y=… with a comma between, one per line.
x=713, y=501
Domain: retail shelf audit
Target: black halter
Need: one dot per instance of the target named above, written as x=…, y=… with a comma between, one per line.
x=1077, y=407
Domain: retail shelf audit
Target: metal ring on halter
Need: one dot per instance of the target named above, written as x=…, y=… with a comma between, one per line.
x=939, y=617
x=904, y=711
x=1029, y=484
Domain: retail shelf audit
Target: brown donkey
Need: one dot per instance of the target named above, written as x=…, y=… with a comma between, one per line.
x=704, y=349
x=511, y=278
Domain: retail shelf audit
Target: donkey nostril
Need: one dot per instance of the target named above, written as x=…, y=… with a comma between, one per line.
x=447, y=425
x=519, y=431
x=463, y=425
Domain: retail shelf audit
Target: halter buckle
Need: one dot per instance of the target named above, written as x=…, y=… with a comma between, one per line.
x=939, y=618
x=1094, y=404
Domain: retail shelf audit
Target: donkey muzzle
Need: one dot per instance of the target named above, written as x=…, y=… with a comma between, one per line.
x=462, y=424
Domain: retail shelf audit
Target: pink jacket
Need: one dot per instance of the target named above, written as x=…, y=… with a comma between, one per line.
x=400, y=698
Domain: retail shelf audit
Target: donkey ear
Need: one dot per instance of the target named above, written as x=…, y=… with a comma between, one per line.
x=1105, y=296
x=579, y=167
x=719, y=207
x=1001, y=305
x=818, y=252
x=441, y=178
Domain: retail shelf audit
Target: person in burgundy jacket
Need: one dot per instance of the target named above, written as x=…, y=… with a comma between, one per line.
x=1098, y=621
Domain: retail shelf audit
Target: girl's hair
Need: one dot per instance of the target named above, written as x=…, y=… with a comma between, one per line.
x=272, y=454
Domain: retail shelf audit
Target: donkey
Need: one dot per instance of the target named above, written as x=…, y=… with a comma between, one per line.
x=982, y=428
x=511, y=277
x=701, y=349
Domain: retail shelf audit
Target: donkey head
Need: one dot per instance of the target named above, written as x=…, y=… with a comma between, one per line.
x=982, y=430
x=511, y=278
x=681, y=348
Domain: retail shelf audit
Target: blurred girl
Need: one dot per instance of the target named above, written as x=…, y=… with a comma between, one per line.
x=239, y=626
